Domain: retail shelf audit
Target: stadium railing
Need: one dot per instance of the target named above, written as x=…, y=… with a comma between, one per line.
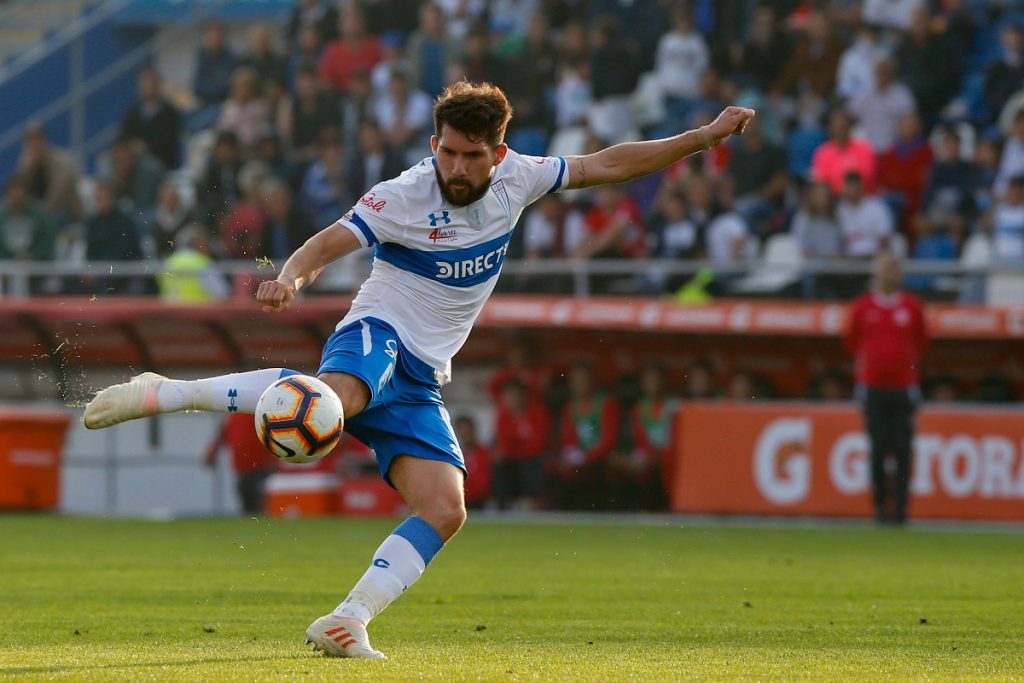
x=564, y=276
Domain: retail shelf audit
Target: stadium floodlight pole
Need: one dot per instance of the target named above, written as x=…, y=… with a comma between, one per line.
x=440, y=232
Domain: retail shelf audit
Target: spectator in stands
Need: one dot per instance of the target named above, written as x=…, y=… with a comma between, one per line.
x=512, y=18
x=903, y=170
x=50, y=175
x=842, y=154
x=374, y=161
x=519, y=367
x=681, y=59
x=887, y=336
x=589, y=433
x=527, y=79
x=1011, y=163
x=815, y=225
x=111, y=235
x=984, y=171
x=306, y=115
x=615, y=228
x=355, y=50
x=170, y=215
x=880, y=108
x=287, y=226
x=891, y=14
x=263, y=58
x=405, y=115
x=806, y=137
x=677, y=235
x=572, y=44
x=645, y=473
x=925, y=64
x=356, y=107
x=814, y=62
x=392, y=59
x=27, y=231
x=478, y=61
x=479, y=462
x=1006, y=224
x=245, y=112
x=758, y=61
x=461, y=16
x=305, y=56
x=856, y=74
x=932, y=242
x=699, y=384
x=325, y=193
x=727, y=239
x=943, y=389
x=830, y=385
x=948, y=200
x=271, y=152
x=135, y=174
x=742, y=386
x=154, y=120
x=242, y=231
x=218, y=188
x=190, y=275
x=572, y=94
x=1004, y=77
x=522, y=433
x=430, y=51
x=611, y=59
x=215, y=66
x=308, y=14
x=758, y=168
x=553, y=229
x=865, y=222
x=251, y=461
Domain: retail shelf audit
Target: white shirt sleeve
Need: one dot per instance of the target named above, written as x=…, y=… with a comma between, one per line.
x=379, y=216
x=539, y=175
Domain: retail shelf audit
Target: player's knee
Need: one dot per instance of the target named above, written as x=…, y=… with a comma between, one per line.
x=446, y=516
x=352, y=391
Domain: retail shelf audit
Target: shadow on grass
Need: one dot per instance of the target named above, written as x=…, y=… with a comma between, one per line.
x=70, y=668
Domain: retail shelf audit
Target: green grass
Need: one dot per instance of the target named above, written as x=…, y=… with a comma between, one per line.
x=229, y=600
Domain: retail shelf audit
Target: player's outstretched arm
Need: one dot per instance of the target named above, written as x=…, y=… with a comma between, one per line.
x=304, y=265
x=620, y=163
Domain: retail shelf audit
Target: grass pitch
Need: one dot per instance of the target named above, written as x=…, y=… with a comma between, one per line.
x=230, y=599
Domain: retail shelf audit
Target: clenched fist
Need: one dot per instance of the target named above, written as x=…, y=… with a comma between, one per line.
x=275, y=296
x=731, y=121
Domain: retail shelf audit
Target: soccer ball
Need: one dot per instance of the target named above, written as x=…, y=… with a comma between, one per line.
x=299, y=419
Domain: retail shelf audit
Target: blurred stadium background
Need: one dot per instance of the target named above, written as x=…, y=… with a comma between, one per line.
x=160, y=157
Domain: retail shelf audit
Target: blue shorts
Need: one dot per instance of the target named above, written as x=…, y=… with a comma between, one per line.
x=405, y=415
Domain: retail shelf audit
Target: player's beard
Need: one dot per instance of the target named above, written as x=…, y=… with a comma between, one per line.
x=461, y=192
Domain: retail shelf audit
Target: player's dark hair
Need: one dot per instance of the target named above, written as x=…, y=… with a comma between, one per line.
x=480, y=112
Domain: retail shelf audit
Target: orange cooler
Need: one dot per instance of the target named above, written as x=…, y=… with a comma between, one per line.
x=31, y=446
x=369, y=497
x=302, y=494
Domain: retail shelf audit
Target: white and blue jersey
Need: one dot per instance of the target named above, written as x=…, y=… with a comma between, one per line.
x=435, y=263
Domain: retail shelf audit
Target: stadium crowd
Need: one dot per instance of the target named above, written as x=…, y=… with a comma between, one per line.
x=883, y=124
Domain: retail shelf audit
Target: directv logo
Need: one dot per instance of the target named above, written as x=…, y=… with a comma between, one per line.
x=469, y=267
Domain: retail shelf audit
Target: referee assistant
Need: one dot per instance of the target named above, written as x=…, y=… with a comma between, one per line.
x=887, y=336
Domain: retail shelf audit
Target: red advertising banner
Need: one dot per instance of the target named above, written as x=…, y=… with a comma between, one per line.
x=797, y=459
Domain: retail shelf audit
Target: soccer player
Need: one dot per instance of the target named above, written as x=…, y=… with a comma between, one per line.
x=440, y=231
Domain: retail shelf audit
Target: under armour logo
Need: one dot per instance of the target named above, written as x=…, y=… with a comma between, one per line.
x=434, y=218
x=233, y=406
x=382, y=563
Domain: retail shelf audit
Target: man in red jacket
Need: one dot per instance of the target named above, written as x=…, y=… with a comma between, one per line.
x=886, y=334
x=522, y=434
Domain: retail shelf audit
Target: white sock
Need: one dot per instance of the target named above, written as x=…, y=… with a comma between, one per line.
x=397, y=564
x=237, y=392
